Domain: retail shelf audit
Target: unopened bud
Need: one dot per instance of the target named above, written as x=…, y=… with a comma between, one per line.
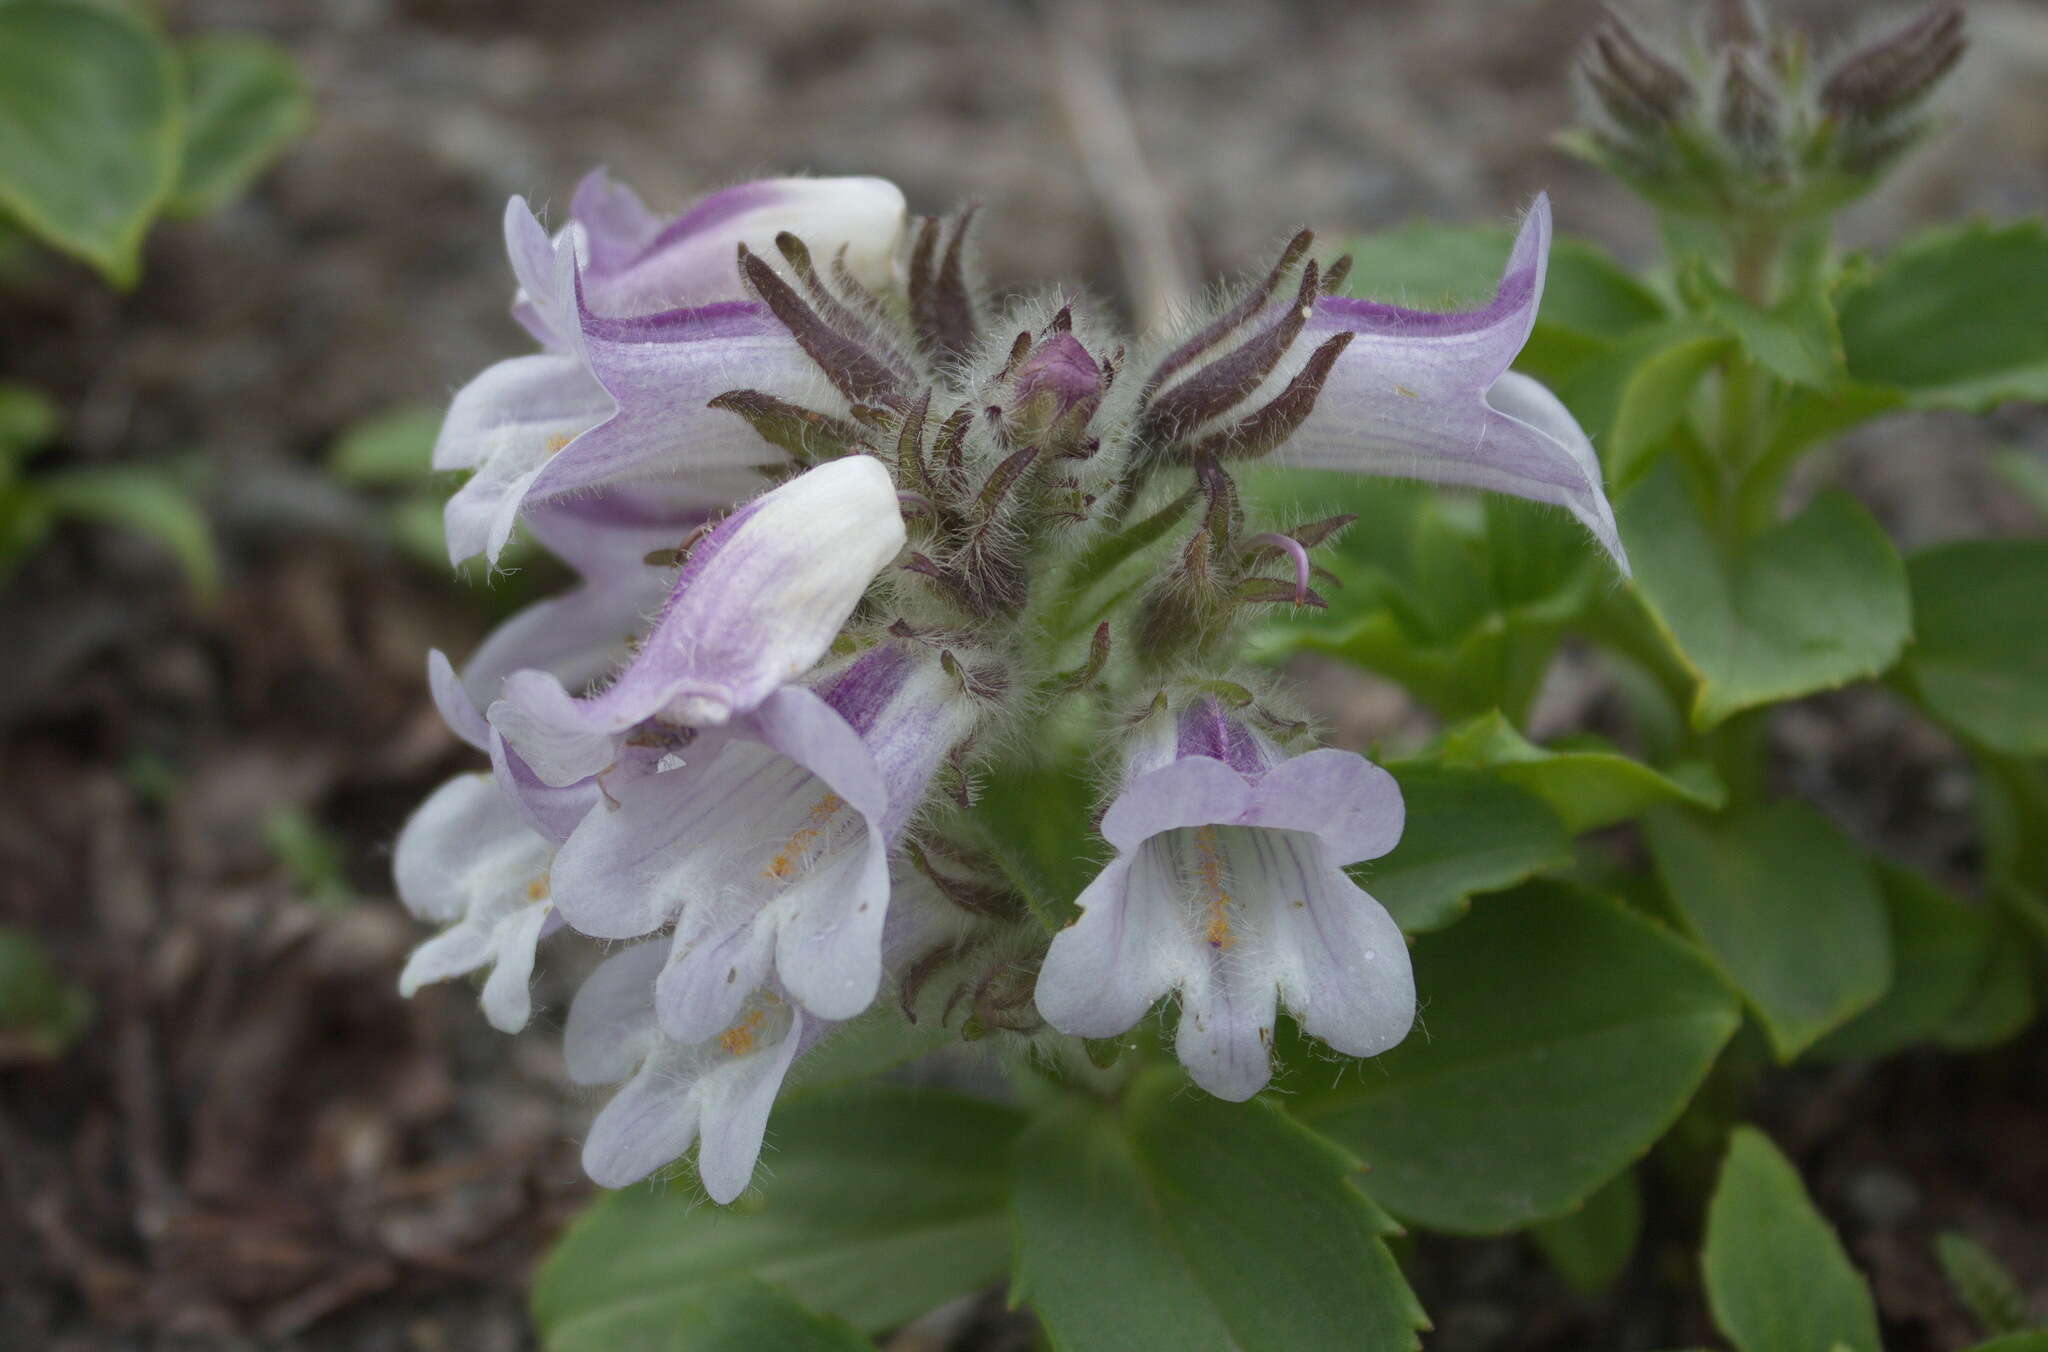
x=1638, y=88
x=1885, y=77
x=1749, y=107
x=1058, y=387
x=1735, y=23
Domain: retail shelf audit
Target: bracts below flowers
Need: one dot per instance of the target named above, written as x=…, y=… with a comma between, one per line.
x=855, y=544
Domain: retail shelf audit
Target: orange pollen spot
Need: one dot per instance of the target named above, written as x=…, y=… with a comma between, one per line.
x=805, y=836
x=1211, y=871
x=538, y=888
x=738, y=1040
x=558, y=441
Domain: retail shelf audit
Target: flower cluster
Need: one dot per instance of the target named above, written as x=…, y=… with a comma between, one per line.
x=1734, y=119
x=850, y=539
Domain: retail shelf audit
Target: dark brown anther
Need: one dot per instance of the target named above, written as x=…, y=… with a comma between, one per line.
x=1063, y=322
x=1336, y=275
x=806, y=434
x=856, y=372
x=1264, y=431
x=1232, y=319
x=1887, y=76
x=1230, y=379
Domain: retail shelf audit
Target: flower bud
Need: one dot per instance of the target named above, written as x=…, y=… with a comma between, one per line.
x=1885, y=77
x=1058, y=388
x=1639, y=89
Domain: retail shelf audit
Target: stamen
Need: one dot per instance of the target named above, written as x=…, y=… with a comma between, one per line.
x=739, y=1039
x=1213, y=875
x=805, y=836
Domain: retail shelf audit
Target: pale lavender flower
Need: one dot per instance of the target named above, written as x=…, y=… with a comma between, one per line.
x=1228, y=887
x=757, y=604
x=620, y=392
x=768, y=849
x=714, y=1093
x=1430, y=396
x=468, y=859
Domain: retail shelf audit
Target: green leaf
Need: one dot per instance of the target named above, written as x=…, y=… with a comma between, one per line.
x=41, y=1012
x=1034, y=819
x=244, y=102
x=28, y=420
x=1183, y=1222
x=1954, y=317
x=1941, y=949
x=1977, y=664
x=1653, y=403
x=1587, y=787
x=1777, y=1279
x=865, y=1046
x=1787, y=907
x=390, y=450
x=1982, y=1283
x=1560, y=1035
x=1796, y=340
x=1593, y=391
x=1811, y=604
x=89, y=129
x=2015, y=1342
x=2001, y=1004
x=1590, y=1247
x=880, y=1204
x=741, y=1315
x=144, y=500
x=1460, y=599
x=2026, y=472
x=1467, y=832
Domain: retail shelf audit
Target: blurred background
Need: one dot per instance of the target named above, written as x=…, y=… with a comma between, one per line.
x=239, y=1135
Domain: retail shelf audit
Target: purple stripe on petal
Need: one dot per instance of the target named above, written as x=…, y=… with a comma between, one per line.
x=1339, y=314
x=758, y=604
x=1204, y=729
x=863, y=690
x=715, y=210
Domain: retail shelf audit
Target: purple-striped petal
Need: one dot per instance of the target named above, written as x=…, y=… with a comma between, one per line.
x=1339, y=958
x=1351, y=805
x=691, y=261
x=1107, y=968
x=759, y=602
x=466, y=859
x=1429, y=396
x=1227, y=888
x=504, y=426
x=611, y=1019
